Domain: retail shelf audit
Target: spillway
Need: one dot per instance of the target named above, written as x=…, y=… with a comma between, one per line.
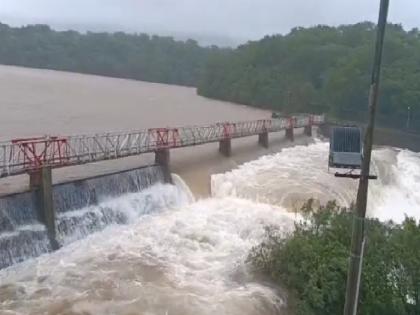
x=82, y=207
x=174, y=255
x=296, y=174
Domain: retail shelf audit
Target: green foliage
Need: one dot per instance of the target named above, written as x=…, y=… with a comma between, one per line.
x=322, y=69
x=140, y=57
x=312, y=263
x=319, y=70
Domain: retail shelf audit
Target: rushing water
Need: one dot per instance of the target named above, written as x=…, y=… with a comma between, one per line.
x=189, y=256
x=82, y=207
x=186, y=260
x=296, y=174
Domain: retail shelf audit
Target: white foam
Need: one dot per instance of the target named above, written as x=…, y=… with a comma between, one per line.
x=182, y=185
x=299, y=173
x=293, y=175
x=131, y=207
x=23, y=228
x=400, y=195
x=189, y=258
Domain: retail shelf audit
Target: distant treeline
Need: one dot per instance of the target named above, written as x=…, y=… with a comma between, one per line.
x=133, y=56
x=322, y=69
x=318, y=69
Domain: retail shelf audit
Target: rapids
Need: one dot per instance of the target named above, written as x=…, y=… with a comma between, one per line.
x=295, y=174
x=189, y=257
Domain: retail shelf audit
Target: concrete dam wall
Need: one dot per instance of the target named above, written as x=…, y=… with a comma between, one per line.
x=80, y=209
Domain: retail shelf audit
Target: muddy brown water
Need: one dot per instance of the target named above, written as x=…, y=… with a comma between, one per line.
x=188, y=261
x=42, y=102
x=191, y=258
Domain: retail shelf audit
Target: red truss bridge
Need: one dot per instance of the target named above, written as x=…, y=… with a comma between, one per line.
x=29, y=155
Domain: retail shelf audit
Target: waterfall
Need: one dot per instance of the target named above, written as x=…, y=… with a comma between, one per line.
x=82, y=207
x=180, y=256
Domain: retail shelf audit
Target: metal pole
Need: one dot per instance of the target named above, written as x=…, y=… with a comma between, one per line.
x=358, y=236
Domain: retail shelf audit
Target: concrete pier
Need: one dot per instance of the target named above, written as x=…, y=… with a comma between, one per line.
x=290, y=134
x=225, y=147
x=308, y=131
x=162, y=158
x=263, y=139
x=41, y=181
x=35, y=179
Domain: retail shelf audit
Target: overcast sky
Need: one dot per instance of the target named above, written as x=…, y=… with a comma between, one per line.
x=237, y=19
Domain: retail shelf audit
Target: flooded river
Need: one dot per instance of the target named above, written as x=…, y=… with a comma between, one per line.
x=178, y=254
x=40, y=102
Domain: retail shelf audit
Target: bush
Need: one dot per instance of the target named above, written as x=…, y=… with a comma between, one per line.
x=312, y=263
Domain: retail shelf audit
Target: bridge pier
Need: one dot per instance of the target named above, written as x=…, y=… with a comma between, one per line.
x=41, y=181
x=263, y=139
x=35, y=179
x=308, y=130
x=225, y=147
x=290, y=134
x=162, y=158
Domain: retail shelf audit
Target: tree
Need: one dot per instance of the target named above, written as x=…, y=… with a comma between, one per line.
x=312, y=263
x=322, y=69
x=135, y=56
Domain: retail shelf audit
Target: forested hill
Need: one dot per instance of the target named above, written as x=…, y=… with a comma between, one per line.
x=321, y=69
x=140, y=57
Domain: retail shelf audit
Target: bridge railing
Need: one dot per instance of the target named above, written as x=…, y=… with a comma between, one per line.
x=24, y=155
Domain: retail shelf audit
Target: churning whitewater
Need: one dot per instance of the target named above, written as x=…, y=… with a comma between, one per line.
x=189, y=257
x=290, y=177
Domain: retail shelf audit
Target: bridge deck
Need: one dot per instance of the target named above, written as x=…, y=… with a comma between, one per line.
x=25, y=155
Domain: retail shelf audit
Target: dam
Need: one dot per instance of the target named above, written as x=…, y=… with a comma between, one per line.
x=158, y=248
x=35, y=216
x=45, y=203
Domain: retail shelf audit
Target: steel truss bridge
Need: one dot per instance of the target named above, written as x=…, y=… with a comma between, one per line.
x=28, y=155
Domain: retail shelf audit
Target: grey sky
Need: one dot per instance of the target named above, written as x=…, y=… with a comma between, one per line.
x=238, y=19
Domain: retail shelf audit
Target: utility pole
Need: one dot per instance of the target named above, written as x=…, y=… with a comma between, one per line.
x=358, y=235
